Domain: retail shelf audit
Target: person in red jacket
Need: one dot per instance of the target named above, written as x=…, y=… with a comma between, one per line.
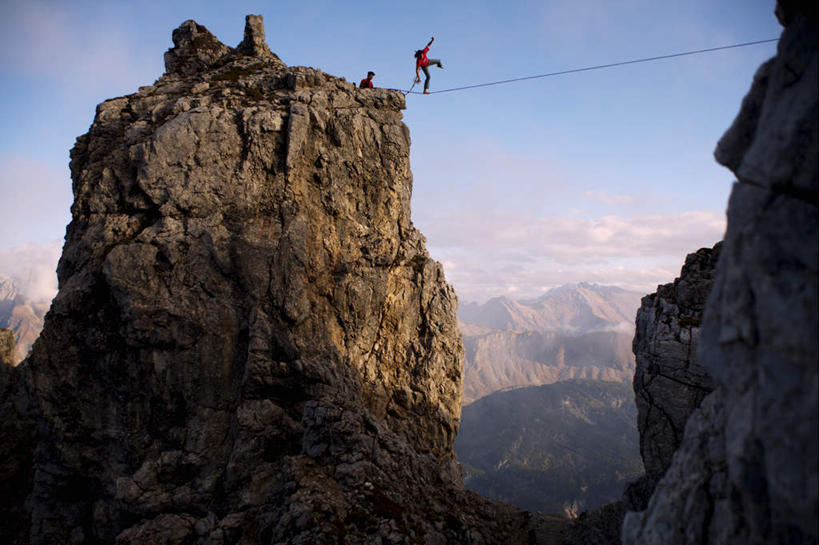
x=422, y=62
x=367, y=83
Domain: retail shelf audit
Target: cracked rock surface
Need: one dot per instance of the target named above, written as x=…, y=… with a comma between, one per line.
x=669, y=382
x=250, y=343
x=747, y=469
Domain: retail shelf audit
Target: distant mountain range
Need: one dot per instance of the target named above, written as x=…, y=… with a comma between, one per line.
x=574, y=331
x=20, y=314
x=559, y=448
x=573, y=308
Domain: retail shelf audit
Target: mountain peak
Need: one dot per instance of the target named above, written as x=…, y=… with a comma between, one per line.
x=196, y=50
x=578, y=307
x=8, y=289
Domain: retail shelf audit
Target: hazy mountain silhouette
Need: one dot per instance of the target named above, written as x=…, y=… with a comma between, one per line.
x=573, y=308
x=21, y=315
x=574, y=331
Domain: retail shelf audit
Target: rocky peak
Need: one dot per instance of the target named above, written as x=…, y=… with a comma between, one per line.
x=8, y=290
x=254, y=43
x=250, y=342
x=196, y=50
x=20, y=315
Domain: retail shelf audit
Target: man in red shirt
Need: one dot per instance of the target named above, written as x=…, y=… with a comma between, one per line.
x=422, y=62
x=367, y=83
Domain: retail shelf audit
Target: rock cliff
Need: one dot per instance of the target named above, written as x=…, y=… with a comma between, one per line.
x=746, y=469
x=669, y=382
x=250, y=343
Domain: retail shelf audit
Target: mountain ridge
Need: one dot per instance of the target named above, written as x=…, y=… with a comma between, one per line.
x=22, y=315
x=533, y=446
x=579, y=307
x=573, y=331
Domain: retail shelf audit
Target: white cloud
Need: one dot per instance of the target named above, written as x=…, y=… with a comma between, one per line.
x=603, y=196
x=33, y=268
x=491, y=252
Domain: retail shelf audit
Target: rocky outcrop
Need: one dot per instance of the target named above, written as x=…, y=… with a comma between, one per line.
x=250, y=343
x=6, y=347
x=746, y=470
x=669, y=382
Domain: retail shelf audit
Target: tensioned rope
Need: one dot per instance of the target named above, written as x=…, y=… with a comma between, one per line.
x=588, y=68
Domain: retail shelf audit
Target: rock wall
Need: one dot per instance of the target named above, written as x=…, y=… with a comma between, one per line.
x=669, y=382
x=250, y=343
x=746, y=470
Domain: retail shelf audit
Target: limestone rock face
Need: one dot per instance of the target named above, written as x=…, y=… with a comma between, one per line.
x=669, y=382
x=746, y=470
x=250, y=343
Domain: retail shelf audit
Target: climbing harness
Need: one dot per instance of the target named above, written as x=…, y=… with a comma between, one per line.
x=588, y=68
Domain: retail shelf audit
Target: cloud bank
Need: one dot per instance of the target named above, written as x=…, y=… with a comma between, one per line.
x=519, y=255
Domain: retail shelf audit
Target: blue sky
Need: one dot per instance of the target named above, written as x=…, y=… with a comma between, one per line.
x=603, y=176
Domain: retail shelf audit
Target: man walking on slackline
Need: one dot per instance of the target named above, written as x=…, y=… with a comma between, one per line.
x=422, y=62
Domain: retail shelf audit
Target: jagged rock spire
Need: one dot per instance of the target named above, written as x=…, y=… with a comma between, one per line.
x=254, y=42
x=195, y=49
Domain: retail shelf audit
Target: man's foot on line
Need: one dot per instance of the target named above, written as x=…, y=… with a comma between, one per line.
x=441, y=66
x=426, y=92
